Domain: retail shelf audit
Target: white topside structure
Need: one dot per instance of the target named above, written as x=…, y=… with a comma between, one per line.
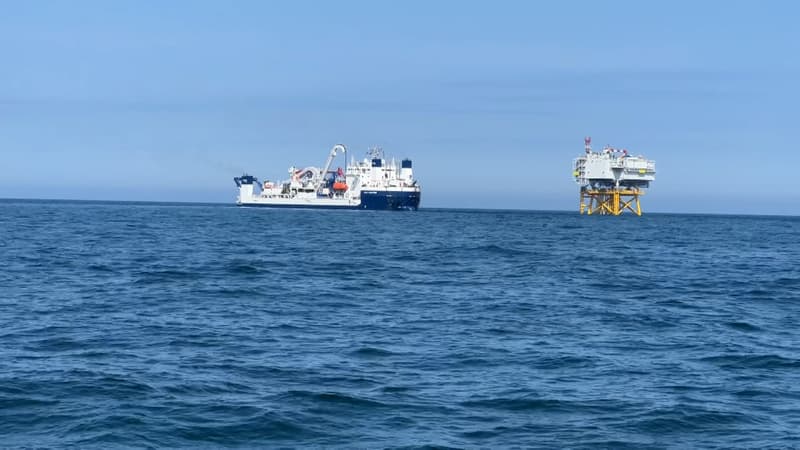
x=612, y=168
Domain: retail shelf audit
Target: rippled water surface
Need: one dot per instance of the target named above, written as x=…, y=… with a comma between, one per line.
x=208, y=326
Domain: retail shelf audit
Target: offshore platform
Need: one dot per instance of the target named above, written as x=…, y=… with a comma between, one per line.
x=611, y=180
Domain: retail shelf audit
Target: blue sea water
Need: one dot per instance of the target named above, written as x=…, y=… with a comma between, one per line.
x=125, y=324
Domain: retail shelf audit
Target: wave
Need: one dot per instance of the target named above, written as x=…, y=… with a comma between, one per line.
x=752, y=361
x=691, y=419
x=743, y=326
x=516, y=404
x=372, y=352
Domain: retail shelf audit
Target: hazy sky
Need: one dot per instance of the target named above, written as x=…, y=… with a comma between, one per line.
x=157, y=100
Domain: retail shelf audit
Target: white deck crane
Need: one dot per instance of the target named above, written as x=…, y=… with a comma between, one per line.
x=338, y=148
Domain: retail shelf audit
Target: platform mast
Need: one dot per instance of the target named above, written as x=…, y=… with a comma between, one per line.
x=608, y=201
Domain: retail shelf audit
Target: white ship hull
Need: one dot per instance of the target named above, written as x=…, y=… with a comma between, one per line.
x=398, y=199
x=277, y=202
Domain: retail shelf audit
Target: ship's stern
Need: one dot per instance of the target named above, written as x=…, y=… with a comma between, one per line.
x=248, y=189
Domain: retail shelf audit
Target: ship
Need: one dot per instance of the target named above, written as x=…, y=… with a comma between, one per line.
x=371, y=183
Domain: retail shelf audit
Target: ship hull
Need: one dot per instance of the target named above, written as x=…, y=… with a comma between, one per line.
x=370, y=200
x=391, y=200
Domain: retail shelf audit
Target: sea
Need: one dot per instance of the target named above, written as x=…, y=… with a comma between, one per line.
x=206, y=326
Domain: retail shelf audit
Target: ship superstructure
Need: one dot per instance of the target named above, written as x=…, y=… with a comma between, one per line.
x=611, y=180
x=372, y=183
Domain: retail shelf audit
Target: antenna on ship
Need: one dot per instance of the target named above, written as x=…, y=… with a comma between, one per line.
x=375, y=152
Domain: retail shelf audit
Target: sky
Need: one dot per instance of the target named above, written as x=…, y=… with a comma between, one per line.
x=168, y=101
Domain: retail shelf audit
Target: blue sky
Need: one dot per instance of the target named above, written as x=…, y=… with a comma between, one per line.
x=146, y=100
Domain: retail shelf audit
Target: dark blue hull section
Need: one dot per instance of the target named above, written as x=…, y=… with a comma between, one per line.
x=380, y=200
x=390, y=200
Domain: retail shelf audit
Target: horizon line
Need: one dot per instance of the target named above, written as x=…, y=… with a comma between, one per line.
x=433, y=208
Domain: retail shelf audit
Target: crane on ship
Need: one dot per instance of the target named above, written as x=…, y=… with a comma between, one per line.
x=337, y=149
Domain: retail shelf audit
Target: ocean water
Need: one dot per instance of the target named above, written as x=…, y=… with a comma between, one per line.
x=159, y=325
